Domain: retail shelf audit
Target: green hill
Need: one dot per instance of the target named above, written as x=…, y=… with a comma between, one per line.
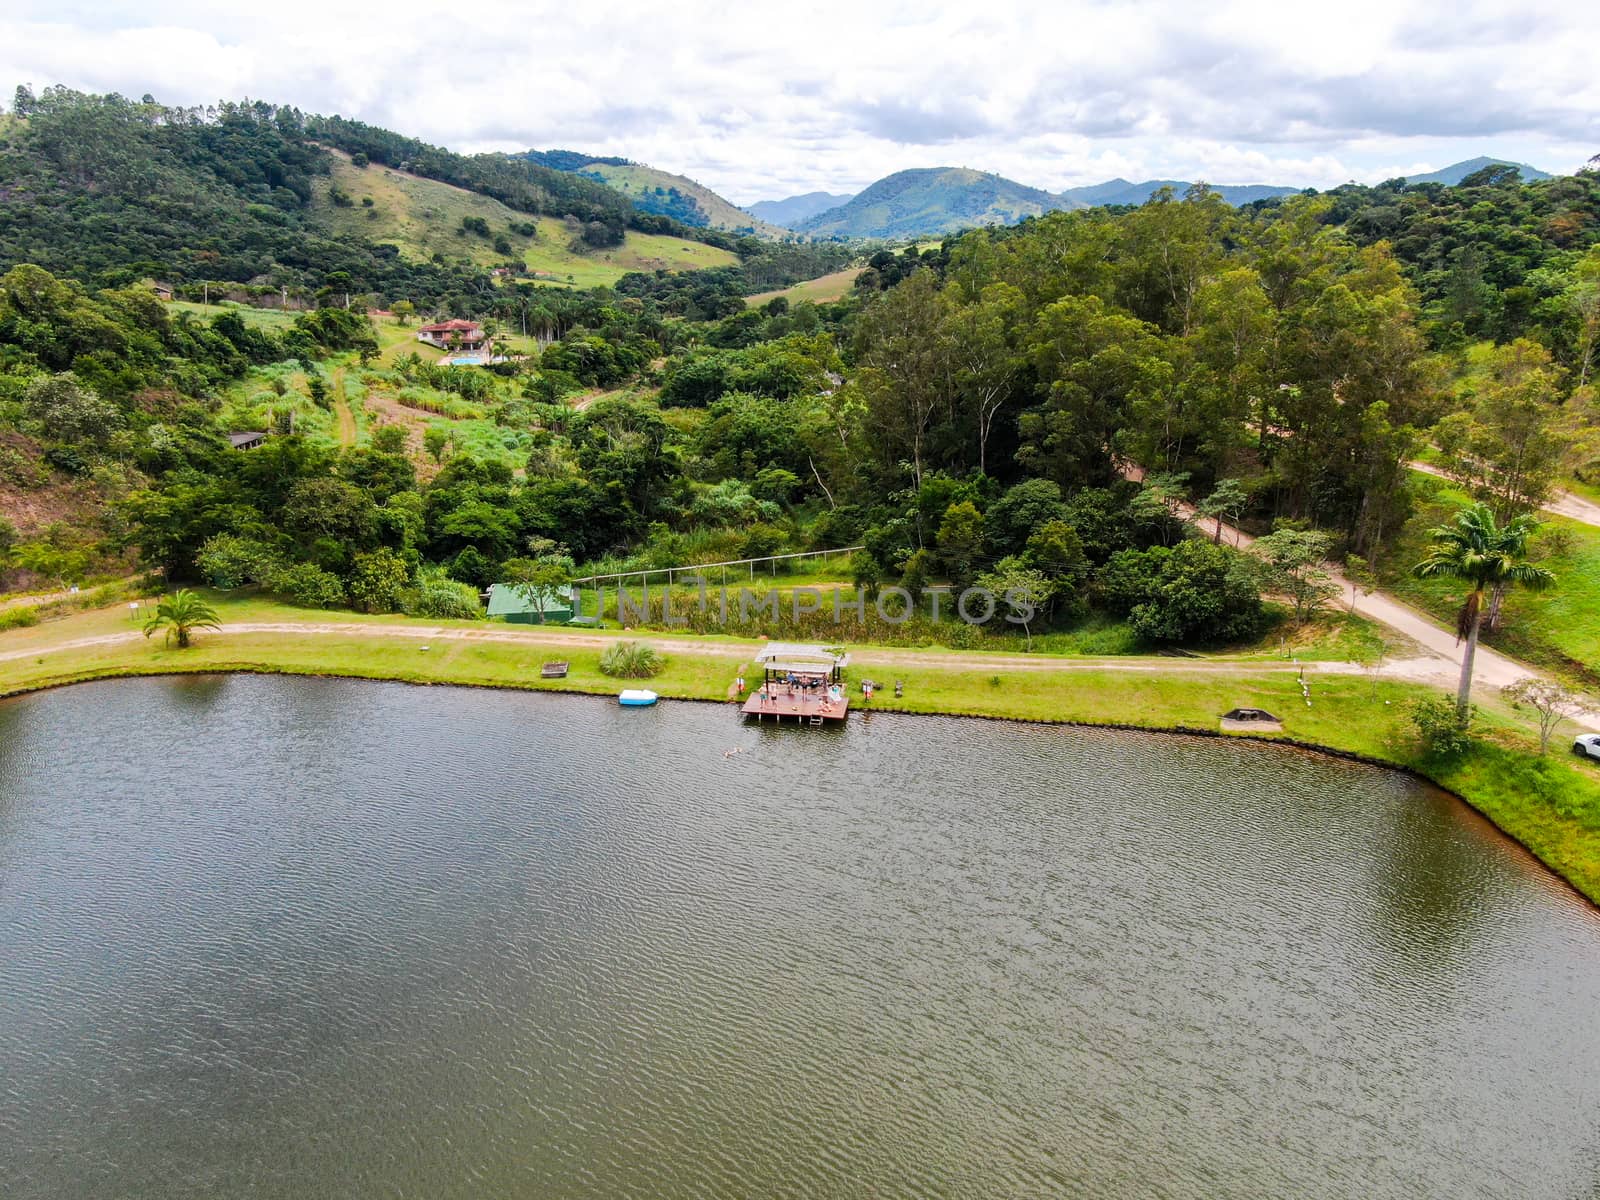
x=932, y=200
x=680, y=198
x=110, y=191
x=792, y=210
x=1456, y=172
x=424, y=217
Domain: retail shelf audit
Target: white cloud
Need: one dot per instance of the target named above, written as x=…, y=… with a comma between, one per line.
x=764, y=100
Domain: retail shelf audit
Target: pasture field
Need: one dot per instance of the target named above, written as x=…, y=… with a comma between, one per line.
x=423, y=217
x=822, y=290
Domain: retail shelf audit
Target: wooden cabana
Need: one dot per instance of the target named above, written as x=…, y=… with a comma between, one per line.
x=799, y=681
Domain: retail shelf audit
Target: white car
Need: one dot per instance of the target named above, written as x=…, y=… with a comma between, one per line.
x=1587, y=745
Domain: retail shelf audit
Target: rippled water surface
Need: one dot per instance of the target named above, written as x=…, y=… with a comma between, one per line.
x=303, y=938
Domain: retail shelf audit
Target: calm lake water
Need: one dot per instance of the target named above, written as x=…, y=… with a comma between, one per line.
x=305, y=938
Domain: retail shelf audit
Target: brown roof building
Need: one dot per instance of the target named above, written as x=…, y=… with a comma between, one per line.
x=454, y=334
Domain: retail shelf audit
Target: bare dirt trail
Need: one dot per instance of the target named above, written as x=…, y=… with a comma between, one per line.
x=36, y=598
x=1562, y=504
x=341, y=410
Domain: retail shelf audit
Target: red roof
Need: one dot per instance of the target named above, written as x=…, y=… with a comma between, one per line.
x=455, y=325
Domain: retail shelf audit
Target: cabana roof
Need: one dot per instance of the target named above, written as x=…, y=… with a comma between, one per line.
x=780, y=667
x=797, y=658
x=784, y=656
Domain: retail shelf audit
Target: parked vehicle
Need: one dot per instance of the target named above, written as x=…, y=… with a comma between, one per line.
x=1586, y=745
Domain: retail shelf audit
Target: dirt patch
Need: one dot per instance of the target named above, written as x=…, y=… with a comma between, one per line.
x=74, y=502
x=385, y=410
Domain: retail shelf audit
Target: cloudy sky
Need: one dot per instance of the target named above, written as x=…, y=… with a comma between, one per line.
x=763, y=100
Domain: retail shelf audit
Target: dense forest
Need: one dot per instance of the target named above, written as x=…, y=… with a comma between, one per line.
x=972, y=413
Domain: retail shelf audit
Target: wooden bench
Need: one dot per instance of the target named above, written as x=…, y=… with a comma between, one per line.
x=553, y=670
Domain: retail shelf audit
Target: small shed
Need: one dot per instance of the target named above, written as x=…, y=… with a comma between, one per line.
x=520, y=606
x=246, y=440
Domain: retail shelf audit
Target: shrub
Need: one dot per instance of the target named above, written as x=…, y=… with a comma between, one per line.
x=230, y=561
x=376, y=581
x=1440, y=733
x=761, y=540
x=1128, y=578
x=631, y=660
x=442, y=598
x=307, y=585
x=473, y=566
x=1555, y=541
x=19, y=617
x=1195, y=592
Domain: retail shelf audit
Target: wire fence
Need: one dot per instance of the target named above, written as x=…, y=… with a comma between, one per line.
x=697, y=570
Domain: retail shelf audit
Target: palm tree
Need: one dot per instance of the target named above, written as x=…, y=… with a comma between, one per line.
x=181, y=614
x=1475, y=548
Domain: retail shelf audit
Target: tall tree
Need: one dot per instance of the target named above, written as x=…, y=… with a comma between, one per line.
x=1482, y=553
x=904, y=371
x=1505, y=448
x=984, y=360
x=1172, y=247
x=1097, y=364
x=1295, y=560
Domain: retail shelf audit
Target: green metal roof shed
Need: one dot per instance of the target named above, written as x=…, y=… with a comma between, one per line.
x=521, y=608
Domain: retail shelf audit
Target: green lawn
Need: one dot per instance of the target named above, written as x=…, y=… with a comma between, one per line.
x=1332, y=635
x=275, y=319
x=1558, y=630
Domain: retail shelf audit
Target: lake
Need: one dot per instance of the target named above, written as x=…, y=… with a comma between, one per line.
x=269, y=937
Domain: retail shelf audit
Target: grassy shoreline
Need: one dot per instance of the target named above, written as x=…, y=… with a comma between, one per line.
x=1551, y=806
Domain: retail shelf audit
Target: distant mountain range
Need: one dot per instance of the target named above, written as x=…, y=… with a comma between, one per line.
x=1120, y=191
x=795, y=209
x=922, y=202
x=929, y=200
x=937, y=200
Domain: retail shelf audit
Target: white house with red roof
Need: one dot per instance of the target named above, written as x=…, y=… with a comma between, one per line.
x=454, y=334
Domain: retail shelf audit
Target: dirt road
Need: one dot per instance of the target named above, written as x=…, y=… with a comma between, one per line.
x=1442, y=665
x=1563, y=504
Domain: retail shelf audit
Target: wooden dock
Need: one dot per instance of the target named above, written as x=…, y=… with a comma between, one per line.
x=802, y=707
